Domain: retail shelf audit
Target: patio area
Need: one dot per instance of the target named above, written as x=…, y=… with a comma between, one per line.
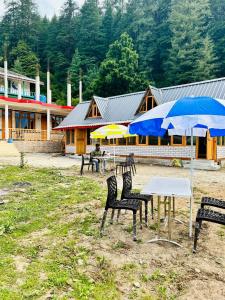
x=65, y=233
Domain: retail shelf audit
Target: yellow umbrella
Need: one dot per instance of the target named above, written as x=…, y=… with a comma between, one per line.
x=111, y=131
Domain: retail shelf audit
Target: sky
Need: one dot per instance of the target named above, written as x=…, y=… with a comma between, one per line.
x=46, y=7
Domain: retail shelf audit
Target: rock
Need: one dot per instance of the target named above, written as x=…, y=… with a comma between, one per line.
x=80, y=262
x=197, y=271
x=137, y=285
x=141, y=262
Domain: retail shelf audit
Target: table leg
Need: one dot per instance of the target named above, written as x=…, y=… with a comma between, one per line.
x=169, y=218
x=174, y=213
x=190, y=222
x=159, y=200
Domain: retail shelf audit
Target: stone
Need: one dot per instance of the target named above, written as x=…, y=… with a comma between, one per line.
x=137, y=285
x=197, y=270
x=80, y=262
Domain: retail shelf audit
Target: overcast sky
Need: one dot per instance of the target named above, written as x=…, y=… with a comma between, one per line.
x=46, y=7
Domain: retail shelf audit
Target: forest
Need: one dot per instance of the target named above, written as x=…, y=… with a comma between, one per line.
x=116, y=46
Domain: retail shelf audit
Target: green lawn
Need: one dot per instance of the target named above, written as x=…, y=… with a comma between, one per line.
x=43, y=229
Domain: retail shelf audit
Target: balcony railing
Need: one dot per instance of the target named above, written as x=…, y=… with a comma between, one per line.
x=19, y=134
x=14, y=92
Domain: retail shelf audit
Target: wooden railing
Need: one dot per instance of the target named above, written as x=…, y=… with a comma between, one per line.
x=19, y=134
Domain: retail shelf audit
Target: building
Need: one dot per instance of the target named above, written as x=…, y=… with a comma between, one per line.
x=26, y=116
x=123, y=109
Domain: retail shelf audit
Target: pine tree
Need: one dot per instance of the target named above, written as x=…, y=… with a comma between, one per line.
x=25, y=61
x=89, y=35
x=189, y=25
x=74, y=71
x=119, y=72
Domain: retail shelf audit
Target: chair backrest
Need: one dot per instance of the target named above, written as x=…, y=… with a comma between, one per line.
x=112, y=191
x=131, y=156
x=127, y=184
x=82, y=159
x=90, y=158
x=103, y=153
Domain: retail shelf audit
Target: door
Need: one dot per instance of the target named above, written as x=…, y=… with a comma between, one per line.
x=80, y=141
x=211, y=148
x=43, y=127
x=202, y=148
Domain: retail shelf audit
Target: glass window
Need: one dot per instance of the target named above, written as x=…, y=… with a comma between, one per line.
x=112, y=141
x=88, y=136
x=223, y=140
x=68, y=137
x=153, y=140
x=177, y=140
x=166, y=140
x=189, y=140
x=72, y=136
x=131, y=140
x=219, y=140
x=105, y=142
x=122, y=141
x=142, y=140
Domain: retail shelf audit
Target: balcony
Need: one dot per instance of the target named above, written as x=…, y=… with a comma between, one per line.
x=25, y=94
x=19, y=134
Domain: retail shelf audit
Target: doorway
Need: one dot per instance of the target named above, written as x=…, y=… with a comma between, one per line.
x=80, y=141
x=202, y=147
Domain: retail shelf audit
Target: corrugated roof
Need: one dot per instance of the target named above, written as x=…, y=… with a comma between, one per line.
x=14, y=75
x=214, y=88
x=117, y=109
x=123, y=108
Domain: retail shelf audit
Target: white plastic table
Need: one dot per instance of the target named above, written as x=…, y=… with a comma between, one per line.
x=169, y=188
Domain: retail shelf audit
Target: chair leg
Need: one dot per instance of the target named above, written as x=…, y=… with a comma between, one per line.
x=116, y=170
x=146, y=213
x=140, y=216
x=197, y=231
x=132, y=170
x=103, y=222
x=92, y=168
x=134, y=226
x=81, y=170
x=152, y=209
x=118, y=215
x=112, y=216
x=135, y=168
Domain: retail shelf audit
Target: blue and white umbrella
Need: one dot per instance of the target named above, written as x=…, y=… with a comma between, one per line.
x=188, y=116
x=185, y=116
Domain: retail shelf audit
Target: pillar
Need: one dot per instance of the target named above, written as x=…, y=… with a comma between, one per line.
x=48, y=125
x=19, y=89
x=6, y=78
x=49, y=97
x=69, y=96
x=6, y=121
x=80, y=91
x=37, y=87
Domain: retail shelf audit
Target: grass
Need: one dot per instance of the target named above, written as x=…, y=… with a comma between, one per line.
x=41, y=227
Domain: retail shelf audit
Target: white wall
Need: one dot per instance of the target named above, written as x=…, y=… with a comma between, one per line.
x=150, y=151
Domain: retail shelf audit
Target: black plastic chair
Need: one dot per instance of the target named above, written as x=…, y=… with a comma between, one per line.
x=88, y=163
x=125, y=165
x=128, y=194
x=208, y=216
x=209, y=201
x=128, y=204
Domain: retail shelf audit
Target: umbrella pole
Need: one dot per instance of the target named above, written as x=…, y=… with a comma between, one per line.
x=114, y=148
x=192, y=172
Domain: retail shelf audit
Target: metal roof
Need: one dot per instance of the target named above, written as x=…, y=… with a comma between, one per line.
x=123, y=108
x=14, y=75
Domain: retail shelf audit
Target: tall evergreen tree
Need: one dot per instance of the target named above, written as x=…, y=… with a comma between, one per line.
x=25, y=61
x=119, y=72
x=189, y=25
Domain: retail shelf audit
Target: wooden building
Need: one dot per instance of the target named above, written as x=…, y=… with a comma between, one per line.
x=123, y=109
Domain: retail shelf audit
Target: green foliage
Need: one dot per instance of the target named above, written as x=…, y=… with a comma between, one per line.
x=173, y=42
x=191, y=57
x=118, y=73
x=25, y=61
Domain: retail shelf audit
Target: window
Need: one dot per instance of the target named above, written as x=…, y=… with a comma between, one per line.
x=122, y=141
x=112, y=141
x=56, y=120
x=221, y=141
x=153, y=140
x=148, y=103
x=105, y=142
x=94, y=111
x=70, y=137
x=166, y=140
x=177, y=140
x=25, y=120
x=142, y=140
x=189, y=140
x=131, y=140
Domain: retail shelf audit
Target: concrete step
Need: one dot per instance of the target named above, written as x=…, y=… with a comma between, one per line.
x=8, y=149
x=202, y=164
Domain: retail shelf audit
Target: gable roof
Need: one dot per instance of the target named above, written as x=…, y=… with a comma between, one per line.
x=13, y=75
x=123, y=108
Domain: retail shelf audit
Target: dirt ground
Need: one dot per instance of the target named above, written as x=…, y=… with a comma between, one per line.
x=169, y=271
